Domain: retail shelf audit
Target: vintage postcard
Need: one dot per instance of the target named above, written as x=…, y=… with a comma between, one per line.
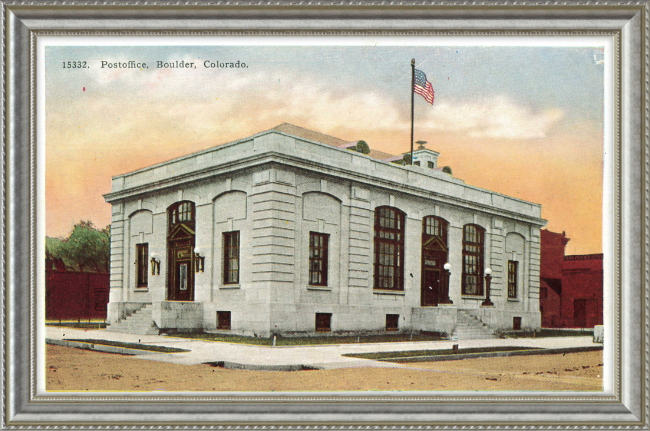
x=313, y=214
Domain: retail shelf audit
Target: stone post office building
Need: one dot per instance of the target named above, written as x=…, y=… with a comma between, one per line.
x=290, y=232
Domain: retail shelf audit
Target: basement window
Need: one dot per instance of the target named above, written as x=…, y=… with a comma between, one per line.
x=323, y=322
x=516, y=323
x=392, y=322
x=223, y=319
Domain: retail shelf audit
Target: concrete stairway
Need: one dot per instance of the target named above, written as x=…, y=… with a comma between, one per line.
x=469, y=327
x=139, y=322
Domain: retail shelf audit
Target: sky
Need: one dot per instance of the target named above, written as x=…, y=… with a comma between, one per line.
x=523, y=121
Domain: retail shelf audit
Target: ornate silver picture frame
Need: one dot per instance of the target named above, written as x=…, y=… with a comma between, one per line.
x=627, y=192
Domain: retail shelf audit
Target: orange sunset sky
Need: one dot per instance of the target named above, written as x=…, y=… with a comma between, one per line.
x=523, y=121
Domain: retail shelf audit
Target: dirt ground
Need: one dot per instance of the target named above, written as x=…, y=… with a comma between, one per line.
x=70, y=369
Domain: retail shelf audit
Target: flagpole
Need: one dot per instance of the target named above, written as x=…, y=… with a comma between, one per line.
x=412, y=103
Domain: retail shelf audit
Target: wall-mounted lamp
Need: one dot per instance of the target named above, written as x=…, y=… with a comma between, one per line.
x=199, y=259
x=155, y=264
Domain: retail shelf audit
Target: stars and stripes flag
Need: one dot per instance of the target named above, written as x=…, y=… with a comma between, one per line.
x=423, y=87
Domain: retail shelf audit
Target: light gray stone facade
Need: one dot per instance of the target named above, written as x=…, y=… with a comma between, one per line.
x=274, y=188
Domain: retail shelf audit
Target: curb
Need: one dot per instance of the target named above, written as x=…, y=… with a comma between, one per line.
x=435, y=358
x=100, y=347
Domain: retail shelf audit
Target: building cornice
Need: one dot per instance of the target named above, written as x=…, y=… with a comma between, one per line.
x=276, y=147
x=281, y=159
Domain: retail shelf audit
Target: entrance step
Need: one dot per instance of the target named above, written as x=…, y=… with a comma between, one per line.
x=470, y=327
x=139, y=322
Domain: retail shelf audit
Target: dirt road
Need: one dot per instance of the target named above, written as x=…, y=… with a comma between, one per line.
x=70, y=369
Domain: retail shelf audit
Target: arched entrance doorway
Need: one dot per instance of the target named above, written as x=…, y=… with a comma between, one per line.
x=434, y=289
x=180, y=251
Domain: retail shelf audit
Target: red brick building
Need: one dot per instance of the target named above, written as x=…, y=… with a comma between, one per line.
x=571, y=287
x=73, y=295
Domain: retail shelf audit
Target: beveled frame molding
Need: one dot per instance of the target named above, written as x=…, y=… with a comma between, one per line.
x=627, y=23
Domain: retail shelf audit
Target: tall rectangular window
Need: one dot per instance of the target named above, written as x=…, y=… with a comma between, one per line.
x=389, y=248
x=231, y=257
x=142, y=262
x=318, y=243
x=472, y=260
x=512, y=278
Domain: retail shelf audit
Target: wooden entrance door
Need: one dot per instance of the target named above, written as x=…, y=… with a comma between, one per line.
x=434, y=288
x=181, y=280
x=431, y=277
x=180, y=252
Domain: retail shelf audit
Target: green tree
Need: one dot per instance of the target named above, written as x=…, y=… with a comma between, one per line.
x=447, y=170
x=53, y=253
x=86, y=249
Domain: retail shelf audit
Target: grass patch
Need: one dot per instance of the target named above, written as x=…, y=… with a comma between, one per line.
x=549, y=333
x=446, y=352
x=301, y=341
x=138, y=346
x=79, y=325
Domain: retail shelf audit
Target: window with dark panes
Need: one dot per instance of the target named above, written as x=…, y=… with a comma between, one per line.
x=392, y=322
x=231, y=257
x=223, y=319
x=323, y=322
x=473, y=239
x=142, y=262
x=435, y=226
x=318, y=243
x=430, y=165
x=512, y=278
x=182, y=212
x=389, y=248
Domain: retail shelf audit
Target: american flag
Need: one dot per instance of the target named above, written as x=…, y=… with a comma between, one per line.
x=423, y=87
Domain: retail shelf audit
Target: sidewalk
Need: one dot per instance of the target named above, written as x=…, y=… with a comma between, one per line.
x=297, y=357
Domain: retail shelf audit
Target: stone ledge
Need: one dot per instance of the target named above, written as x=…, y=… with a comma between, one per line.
x=319, y=289
x=389, y=292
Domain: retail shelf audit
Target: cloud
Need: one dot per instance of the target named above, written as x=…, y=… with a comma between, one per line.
x=224, y=99
x=498, y=117
x=204, y=100
x=325, y=109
